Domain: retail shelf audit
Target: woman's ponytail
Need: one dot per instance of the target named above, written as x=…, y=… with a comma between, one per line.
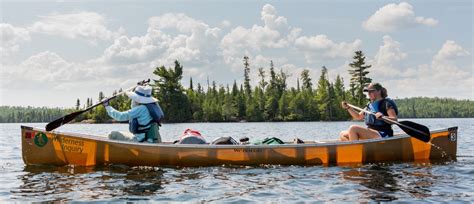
x=383, y=93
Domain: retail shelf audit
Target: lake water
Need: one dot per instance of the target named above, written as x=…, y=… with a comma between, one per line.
x=403, y=182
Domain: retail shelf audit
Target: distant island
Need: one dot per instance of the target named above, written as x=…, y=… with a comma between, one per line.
x=270, y=100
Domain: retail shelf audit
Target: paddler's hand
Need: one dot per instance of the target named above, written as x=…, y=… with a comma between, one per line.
x=378, y=115
x=105, y=103
x=344, y=105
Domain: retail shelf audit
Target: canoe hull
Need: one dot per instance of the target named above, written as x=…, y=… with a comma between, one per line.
x=56, y=148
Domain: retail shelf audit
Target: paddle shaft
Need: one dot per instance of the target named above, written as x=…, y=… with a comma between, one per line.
x=386, y=119
x=116, y=95
x=109, y=98
x=71, y=116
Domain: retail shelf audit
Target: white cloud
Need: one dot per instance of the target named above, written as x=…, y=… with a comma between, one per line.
x=226, y=23
x=48, y=70
x=89, y=26
x=426, y=21
x=131, y=50
x=50, y=67
x=11, y=38
x=194, y=41
x=169, y=37
x=271, y=18
x=442, y=75
x=389, y=52
x=433, y=80
x=393, y=17
x=450, y=50
x=264, y=61
x=320, y=46
x=386, y=63
x=275, y=33
x=181, y=22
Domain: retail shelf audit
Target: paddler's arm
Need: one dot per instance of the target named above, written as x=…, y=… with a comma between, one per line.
x=355, y=115
x=392, y=115
x=117, y=115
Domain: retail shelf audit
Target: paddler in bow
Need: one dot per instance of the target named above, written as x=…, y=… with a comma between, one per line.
x=144, y=117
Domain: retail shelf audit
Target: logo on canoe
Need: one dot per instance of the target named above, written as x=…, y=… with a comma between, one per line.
x=41, y=139
x=453, y=134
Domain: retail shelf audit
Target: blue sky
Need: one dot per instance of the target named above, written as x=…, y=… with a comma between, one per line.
x=55, y=52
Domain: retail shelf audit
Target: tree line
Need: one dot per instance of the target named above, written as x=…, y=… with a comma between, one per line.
x=17, y=114
x=424, y=107
x=270, y=100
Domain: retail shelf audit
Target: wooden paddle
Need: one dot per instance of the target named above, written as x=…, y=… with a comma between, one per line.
x=69, y=117
x=413, y=129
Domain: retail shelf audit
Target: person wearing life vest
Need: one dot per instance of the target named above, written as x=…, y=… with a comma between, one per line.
x=376, y=126
x=144, y=117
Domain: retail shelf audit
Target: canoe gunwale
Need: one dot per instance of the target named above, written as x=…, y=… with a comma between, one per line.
x=167, y=145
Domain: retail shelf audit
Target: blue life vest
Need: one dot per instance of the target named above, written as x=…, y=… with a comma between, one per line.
x=155, y=112
x=380, y=106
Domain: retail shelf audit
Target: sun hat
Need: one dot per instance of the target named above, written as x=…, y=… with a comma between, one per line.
x=142, y=94
x=373, y=87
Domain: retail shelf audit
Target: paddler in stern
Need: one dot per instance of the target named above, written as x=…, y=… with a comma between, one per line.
x=376, y=126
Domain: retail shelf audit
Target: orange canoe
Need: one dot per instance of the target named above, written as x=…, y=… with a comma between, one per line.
x=40, y=147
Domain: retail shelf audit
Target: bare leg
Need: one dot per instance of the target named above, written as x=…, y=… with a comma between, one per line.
x=357, y=132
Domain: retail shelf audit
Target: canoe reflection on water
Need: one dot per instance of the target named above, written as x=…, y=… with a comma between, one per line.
x=386, y=182
x=92, y=182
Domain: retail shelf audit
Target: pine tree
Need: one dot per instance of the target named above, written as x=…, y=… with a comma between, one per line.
x=297, y=107
x=101, y=96
x=242, y=104
x=261, y=74
x=331, y=101
x=283, y=104
x=322, y=95
x=307, y=85
x=235, y=90
x=271, y=107
x=170, y=93
x=340, y=93
x=199, y=88
x=236, y=103
x=281, y=83
x=271, y=99
x=78, y=104
x=298, y=84
x=256, y=103
x=191, y=83
x=248, y=89
x=359, y=79
x=273, y=78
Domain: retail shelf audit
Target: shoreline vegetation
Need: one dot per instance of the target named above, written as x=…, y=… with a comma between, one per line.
x=441, y=108
x=271, y=100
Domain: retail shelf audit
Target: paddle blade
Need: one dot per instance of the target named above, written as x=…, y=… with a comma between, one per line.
x=63, y=120
x=416, y=130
